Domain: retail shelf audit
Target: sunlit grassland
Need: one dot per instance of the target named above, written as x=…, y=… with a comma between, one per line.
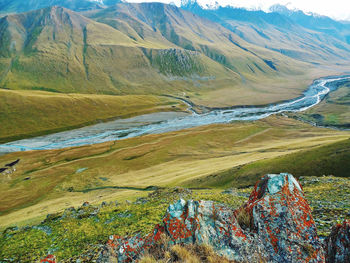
x=31, y=113
x=331, y=159
x=170, y=159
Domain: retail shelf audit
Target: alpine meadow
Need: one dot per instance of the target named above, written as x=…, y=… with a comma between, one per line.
x=188, y=132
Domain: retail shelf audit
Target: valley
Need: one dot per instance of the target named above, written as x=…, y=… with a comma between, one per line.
x=155, y=124
x=110, y=111
x=48, y=181
x=32, y=113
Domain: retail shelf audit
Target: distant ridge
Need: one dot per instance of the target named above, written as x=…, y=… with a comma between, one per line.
x=18, y=6
x=311, y=38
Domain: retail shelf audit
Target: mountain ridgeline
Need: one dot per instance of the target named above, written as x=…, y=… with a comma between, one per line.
x=312, y=38
x=153, y=48
x=17, y=6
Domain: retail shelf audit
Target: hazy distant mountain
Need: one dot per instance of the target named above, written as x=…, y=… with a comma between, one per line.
x=338, y=29
x=303, y=37
x=18, y=6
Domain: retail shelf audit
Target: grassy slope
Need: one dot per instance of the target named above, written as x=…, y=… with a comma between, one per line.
x=31, y=113
x=164, y=160
x=70, y=236
x=332, y=159
x=78, y=233
x=333, y=111
x=67, y=52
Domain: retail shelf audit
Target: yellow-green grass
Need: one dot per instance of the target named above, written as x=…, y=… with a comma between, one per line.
x=72, y=236
x=169, y=159
x=258, y=90
x=332, y=159
x=31, y=113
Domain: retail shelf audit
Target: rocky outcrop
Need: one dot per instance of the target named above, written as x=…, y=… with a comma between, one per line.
x=275, y=225
x=49, y=259
x=337, y=244
x=282, y=219
x=204, y=222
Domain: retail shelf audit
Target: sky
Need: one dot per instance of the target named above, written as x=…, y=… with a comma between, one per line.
x=338, y=9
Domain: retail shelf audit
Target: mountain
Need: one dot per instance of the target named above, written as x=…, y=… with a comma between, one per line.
x=57, y=49
x=337, y=29
x=147, y=48
x=50, y=48
x=305, y=39
x=18, y=6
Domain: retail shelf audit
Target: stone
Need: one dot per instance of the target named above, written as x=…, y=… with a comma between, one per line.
x=141, y=201
x=230, y=191
x=128, y=249
x=85, y=204
x=204, y=222
x=282, y=218
x=49, y=259
x=337, y=244
x=275, y=225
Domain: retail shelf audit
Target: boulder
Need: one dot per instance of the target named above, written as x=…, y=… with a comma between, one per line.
x=281, y=217
x=49, y=259
x=204, y=222
x=337, y=244
x=128, y=249
x=275, y=225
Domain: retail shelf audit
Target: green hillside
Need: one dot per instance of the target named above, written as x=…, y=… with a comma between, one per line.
x=133, y=49
x=32, y=113
x=333, y=159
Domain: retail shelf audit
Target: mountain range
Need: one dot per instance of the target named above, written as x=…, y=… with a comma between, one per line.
x=152, y=48
x=17, y=6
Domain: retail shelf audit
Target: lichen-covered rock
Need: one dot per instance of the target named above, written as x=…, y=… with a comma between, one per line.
x=128, y=249
x=281, y=217
x=204, y=222
x=275, y=225
x=337, y=244
x=49, y=259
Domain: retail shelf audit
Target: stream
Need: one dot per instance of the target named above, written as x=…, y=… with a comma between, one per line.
x=156, y=123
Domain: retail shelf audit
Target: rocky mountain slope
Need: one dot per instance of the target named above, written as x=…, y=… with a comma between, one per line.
x=152, y=48
x=315, y=39
x=337, y=29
